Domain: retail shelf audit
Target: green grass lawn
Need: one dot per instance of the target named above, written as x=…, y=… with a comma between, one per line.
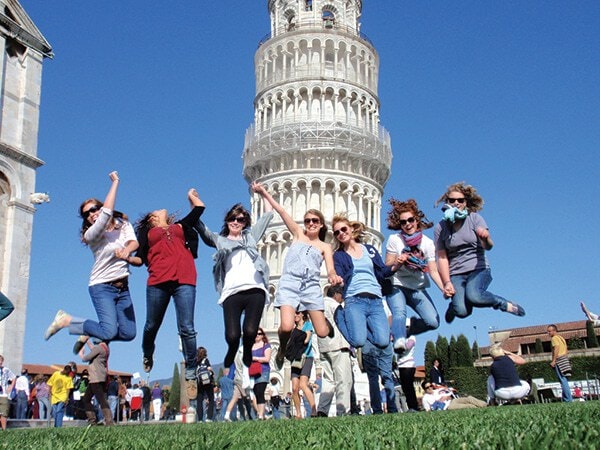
x=558, y=426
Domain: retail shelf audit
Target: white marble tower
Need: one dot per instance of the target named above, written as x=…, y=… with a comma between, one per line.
x=20, y=86
x=316, y=140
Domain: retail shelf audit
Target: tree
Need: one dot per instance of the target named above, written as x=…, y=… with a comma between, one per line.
x=464, y=356
x=539, y=347
x=429, y=356
x=475, y=351
x=592, y=339
x=175, y=389
x=452, y=353
x=575, y=343
x=441, y=350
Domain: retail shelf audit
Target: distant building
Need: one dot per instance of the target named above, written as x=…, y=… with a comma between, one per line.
x=522, y=341
x=20, y=90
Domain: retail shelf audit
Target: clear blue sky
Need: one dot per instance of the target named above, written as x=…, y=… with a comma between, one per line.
x=504, y=95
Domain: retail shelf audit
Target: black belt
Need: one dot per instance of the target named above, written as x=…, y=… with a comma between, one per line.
x=121, y=283
x=367, y=295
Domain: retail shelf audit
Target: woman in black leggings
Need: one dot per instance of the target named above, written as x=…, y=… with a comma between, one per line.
x=241, y=277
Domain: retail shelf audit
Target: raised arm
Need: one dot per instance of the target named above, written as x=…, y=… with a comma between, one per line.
x=111, y=197
x=194, y=198
x=294, y=228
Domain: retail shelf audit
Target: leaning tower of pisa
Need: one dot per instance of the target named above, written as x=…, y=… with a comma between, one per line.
x=316, y=140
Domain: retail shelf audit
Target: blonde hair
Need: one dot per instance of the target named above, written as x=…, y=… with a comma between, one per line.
x=357, y=228
x=496, y=351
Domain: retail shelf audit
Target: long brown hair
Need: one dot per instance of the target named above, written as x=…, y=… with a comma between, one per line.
x=319, y=214
x=86, y=224
x=400, y=207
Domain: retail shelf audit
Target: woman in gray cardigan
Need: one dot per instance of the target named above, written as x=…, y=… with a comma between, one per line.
x=241, y=277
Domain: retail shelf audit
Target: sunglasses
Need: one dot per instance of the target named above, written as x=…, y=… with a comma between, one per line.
x=427, y=386
x=260, y=334
x=92, y=210
x=409, y=220
x=454, y=200
x=310, y=220
x=340, y=230
x=237, y=219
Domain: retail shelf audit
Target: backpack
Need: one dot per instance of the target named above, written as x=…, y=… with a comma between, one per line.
x=203, y=375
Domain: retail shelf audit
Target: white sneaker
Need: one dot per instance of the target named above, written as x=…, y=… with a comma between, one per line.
x=245, y=378
x=400, y=344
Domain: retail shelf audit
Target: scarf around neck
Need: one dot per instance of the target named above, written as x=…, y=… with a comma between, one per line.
x=416, y=259
x=451, y=213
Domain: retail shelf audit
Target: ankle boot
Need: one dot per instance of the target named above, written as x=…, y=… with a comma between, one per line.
x=107, y=413
x=91, y=417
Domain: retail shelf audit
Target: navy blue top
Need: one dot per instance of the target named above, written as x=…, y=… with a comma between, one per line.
x=504, y=372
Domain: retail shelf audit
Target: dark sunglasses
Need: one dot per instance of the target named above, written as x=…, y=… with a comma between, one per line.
x=340, y=230
x=427, y=386
x=92, y=210
x=459, y=200
x=310, y=220
x=409, y=220
x=237, y=219
x=260, y=333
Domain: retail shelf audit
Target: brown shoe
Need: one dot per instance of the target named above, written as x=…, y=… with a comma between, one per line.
x=191, y=387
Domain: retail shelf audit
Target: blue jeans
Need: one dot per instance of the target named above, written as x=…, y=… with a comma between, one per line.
x=564, y=385
x=44, y=406
x=58, y=412
x=6, y=307
x=363, y=318
x=113, y=402
x=157, y=300
x=22, y=401
x=421, y=302
x=378, y=363
x=116, y=317
x=471, y=291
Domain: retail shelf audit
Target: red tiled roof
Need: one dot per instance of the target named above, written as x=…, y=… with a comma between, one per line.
x=35, y=369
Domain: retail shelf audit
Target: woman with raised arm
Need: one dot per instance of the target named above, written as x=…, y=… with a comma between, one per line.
x=461, y=240
x=241, y=277
x=415, y=254
x=300, y=283
x=111, y=238
x=168, y=248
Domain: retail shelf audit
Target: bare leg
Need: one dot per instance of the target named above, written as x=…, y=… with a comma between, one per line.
x=320, y=323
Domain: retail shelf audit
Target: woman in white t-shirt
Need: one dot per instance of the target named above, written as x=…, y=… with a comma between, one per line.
x=111, y=238
x=415, y=255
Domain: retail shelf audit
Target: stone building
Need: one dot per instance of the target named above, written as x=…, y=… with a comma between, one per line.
x=316, y=141
x=20, y=87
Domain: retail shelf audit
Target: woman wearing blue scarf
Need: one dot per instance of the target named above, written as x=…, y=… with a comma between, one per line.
x=461, y=239
x=415, y=255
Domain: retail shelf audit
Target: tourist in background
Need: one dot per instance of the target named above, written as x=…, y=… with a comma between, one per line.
x=98, y=374
x=60, y=384
x=503, y=382
x=206, y=386
x=261, y=354
x=7, y=384
x=111, y=238
x=560, y=361
x=336, y=365
x=461, y=239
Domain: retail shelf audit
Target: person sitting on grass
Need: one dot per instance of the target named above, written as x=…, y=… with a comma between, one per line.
x=504, y=382
x=443, y=399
